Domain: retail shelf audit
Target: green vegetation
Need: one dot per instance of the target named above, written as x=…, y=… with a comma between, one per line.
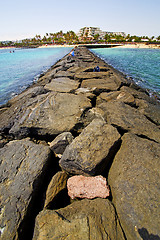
x=71, y=38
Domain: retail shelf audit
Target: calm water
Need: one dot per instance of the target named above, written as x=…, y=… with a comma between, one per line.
x=21, y=68
x=143, y=65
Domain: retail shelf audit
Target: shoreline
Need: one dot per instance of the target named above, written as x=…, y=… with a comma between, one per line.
x=140, y=45
x=123, y=45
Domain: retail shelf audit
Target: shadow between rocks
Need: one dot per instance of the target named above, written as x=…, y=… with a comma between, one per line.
x=146, y=236
x=26, y=228
x=60, y=201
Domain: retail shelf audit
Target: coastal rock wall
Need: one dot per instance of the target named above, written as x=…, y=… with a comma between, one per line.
x=76, y=121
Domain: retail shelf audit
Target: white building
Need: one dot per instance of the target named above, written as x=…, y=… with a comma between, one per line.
x=90, y=32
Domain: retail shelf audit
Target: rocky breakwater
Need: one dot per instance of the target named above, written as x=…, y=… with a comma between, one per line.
x=74, y=121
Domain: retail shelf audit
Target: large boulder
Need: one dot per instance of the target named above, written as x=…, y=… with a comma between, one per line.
x=31, y=92
x=24, y=170
x=138, y=93
x=105, y=84
x=134, y=179
x=63, y=84
x=86, y=219
x=122, y=96
x=18, y=109
x=151, y=111
x=127, y=118
x=90, y=75
x=91, y=150
x=51, y=114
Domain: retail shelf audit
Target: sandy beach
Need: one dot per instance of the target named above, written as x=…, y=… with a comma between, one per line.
x=55, y=46
x=140, y=45
x=130, y=45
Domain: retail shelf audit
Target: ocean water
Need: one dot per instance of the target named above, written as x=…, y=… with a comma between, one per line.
x=22, y=67
x=143, y=65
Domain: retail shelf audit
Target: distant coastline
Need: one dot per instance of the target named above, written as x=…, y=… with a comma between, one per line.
x=130, y=45
x=125, y=45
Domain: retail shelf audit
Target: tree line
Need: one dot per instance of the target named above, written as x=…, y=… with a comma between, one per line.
x=71, y=38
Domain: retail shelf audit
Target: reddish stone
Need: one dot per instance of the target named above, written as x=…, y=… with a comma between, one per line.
x=87, y=187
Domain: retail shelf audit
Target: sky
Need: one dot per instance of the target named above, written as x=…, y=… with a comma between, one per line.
x=21, y=19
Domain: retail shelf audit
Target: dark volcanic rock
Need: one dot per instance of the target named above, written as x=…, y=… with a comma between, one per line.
x=24, y=168
x=59, y=144
x=50, y=114
x=134, y=178
x=18, y=109
x=128, y=118
x=86, y=219
x=91, y=149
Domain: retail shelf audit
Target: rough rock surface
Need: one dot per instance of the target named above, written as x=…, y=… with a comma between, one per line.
x=64, y=74
x=57, y=113
x=151, y=111
x=130, y=119
x=56, y=185
x=85, y=219
x=91, y=149
x=23, y=167
x=59, y=144
x=122, y=96
x=134, y=179
x=87, y=187
x=100, y=84
x=62, y=84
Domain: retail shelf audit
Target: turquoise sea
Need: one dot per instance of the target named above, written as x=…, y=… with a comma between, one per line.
x=22, y=67
x=143, y=65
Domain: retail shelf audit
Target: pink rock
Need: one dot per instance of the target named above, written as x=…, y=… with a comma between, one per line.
x=87, y=187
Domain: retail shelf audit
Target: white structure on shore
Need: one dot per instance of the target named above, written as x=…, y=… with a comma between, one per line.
x=90, y=32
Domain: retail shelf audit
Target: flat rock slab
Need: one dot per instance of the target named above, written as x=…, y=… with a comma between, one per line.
x=122, y=96
x=100, y=84
x=31, y=92
x=91, y=150
x=62, y=84
x=130, y=119
x=57, y=113
x=85, y=219
x=87, y=187
x=22, y=169
x=134, y=179
x=140, y=94
x=60, y=74
x=91, y=75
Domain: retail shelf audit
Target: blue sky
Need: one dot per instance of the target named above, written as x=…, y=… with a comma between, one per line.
x=20, y=19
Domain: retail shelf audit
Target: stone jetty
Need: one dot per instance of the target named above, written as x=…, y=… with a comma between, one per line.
x=77, y=121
